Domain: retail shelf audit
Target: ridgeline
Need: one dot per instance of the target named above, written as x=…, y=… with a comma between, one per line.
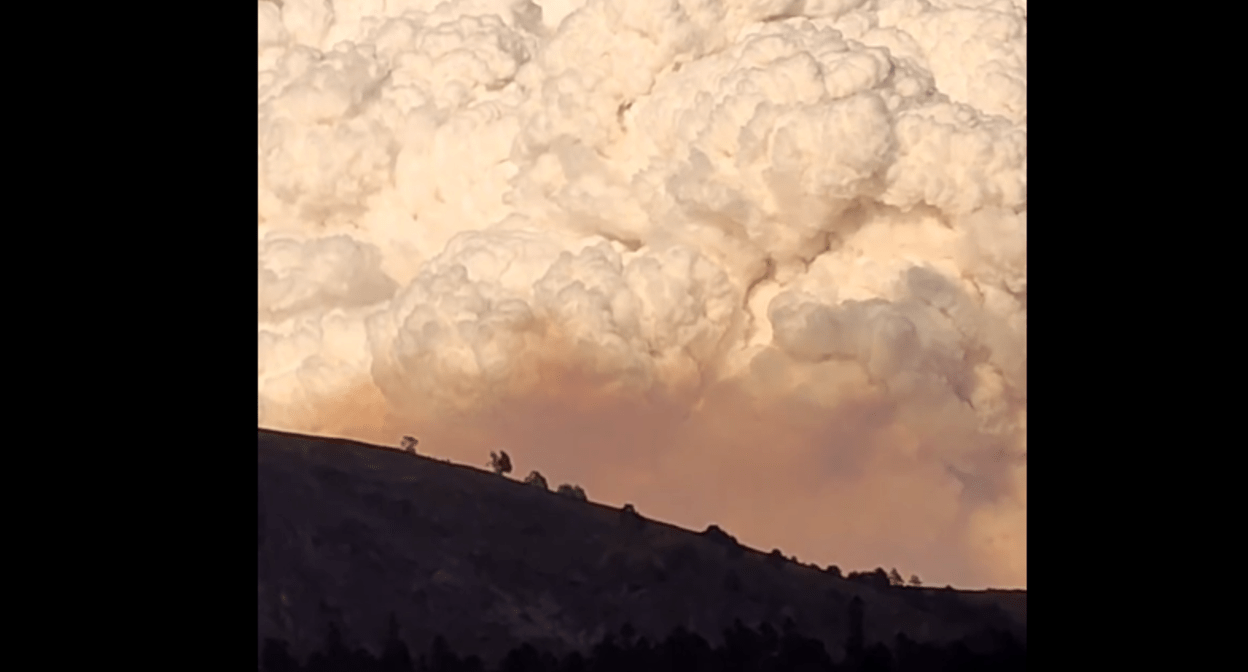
x=369, y=544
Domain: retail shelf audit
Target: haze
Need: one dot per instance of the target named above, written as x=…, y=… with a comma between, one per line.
x=753, y=263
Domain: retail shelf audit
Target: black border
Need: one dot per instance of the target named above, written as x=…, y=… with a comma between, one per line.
x=178, y=539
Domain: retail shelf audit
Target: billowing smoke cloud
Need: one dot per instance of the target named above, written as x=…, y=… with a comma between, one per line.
x=754, y=262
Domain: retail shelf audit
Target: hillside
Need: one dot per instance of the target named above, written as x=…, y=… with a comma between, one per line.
x=349, y=533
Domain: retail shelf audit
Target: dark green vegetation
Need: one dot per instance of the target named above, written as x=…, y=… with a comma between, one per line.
x=482, y=565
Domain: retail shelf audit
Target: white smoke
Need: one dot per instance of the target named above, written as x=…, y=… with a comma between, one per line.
x=753, y=262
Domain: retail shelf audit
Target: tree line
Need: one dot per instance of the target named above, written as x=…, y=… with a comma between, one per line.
x=744, y=649
x=500, y=463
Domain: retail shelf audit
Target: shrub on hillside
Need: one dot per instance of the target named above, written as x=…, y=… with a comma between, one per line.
x=536, y=479
x=876, y=578
x=722, y=538
x=500, y=463
x=715, y=534
x=630, y=519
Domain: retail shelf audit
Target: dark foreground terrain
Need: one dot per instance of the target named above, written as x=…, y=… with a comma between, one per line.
x=374, y=559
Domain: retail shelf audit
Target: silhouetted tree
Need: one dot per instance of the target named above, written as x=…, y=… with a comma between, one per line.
x=834, y=571
x=641, y=655
x=573, y=491
x=685, y=651
x=630, y=519
x=335, y=656
x=716, y=535
x=394, y=657
x=877, y=659
x=768, y=639
x=800, y=653
x=500, y=462
x=914, y=580
x=441, y=658
x=742, y=649
x=907, y=654
x=574, y=662
x=550, y=662
x=876, y=578
x=776, y=557
x=409, y=444
x=536, y=479
x=525, y=658
x=607, y=655
x=894, y=578
x=274, y=657
x=855, y=642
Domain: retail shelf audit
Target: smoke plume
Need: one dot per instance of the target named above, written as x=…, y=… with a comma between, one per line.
x=760, y=263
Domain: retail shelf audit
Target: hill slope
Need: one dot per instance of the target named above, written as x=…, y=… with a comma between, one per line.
x=349, y=533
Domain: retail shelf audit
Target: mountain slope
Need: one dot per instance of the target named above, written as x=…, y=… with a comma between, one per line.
x=350, y=533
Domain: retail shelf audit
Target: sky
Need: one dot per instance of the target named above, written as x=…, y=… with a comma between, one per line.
x=757, y=263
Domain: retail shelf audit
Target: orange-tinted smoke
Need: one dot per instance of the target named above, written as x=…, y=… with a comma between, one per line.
x=859, y=484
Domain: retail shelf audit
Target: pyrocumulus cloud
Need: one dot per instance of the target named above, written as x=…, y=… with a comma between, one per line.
x=760, y=263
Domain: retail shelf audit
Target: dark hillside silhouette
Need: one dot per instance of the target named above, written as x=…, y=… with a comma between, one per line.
x=396, y=549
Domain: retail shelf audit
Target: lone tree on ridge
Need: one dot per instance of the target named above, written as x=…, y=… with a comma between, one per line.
x=500, y=462
x=536, y=479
